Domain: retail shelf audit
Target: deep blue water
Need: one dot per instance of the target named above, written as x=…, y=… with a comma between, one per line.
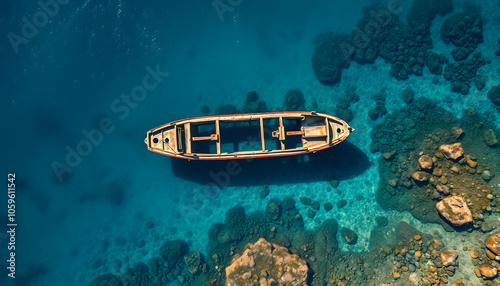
x=74, y=74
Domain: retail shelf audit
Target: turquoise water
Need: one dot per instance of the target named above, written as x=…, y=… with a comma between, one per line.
x=91, y=199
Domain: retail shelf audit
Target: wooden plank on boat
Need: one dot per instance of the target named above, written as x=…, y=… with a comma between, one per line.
x=179, y=136
x=289, y=133
x=217, y=133
x=327, y=132
x=315, y=131
x=282, y=134
x=262, y=134
x=187, y=131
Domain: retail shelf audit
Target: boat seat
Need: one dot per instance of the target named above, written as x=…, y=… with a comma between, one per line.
x=212, y=137
x=314, y=131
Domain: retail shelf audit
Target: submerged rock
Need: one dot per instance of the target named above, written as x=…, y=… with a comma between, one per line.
x=274, y=209
x=494, y=95
x=349, y=235
x=453, y=151
x=408, y=95
x=194, y=262
x=174, y=250
x=106, y=280
x=268, y=264
x=455, y=210
x=294, y=100
x=490, y=139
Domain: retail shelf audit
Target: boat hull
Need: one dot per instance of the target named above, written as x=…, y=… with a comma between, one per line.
x=247, y=136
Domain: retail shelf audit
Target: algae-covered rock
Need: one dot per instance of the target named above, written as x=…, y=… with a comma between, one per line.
x=174, y=250
x=274, y=209
x=490, y=138
x=294, y=100
x=349, y=235
x=194, y=262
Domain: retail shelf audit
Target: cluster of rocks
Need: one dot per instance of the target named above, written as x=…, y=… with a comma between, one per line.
x=425, y=256
x=294, y=100
x=465, y=31
x=314, y=206
x=380, y=33
x=226, y=109
x=342, y=109
x=462, y=73
x=253, y=104
x=418, y=129
x=487, y=265
x=379, y=109
x=398, y=130
x=174, y=263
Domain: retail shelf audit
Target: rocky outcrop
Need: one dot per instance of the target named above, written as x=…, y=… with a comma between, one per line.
x=454, y=210
x=453, y=151
x=485, y=271
x=269, y=264
x=465, y=31
x=448, y=257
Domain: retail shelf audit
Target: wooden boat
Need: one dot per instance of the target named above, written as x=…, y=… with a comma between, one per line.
x=251, y=135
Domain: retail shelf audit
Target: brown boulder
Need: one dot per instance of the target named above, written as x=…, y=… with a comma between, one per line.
x=493, y=243
x=425, y=162
x=267, y=263
x=443, y=189
x=448, y=257
x=453, y=151
x=485, y=271
x=388, y=156
x=455, y=210
x=420, y=176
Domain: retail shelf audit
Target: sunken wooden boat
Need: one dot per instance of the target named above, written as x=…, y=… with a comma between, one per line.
x=250, y=135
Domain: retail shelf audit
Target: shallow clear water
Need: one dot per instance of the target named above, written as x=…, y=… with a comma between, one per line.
x=84, y=197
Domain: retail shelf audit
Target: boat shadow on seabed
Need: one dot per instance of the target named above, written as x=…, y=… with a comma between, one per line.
x=341, y=162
